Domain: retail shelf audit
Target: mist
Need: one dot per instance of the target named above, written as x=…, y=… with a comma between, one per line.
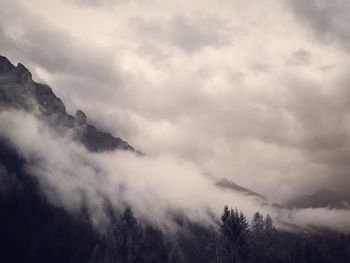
x=155, y=188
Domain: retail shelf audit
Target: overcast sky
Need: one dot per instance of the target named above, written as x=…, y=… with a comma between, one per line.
x=256, y=91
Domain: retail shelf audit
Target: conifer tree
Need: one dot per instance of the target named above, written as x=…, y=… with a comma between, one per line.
x=234, y=233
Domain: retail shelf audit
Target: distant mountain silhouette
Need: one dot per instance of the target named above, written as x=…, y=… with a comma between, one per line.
x=228, y=184
x=322, y=198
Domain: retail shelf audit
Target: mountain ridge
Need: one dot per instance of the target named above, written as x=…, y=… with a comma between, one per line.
x=323, y=198
x=19, y=90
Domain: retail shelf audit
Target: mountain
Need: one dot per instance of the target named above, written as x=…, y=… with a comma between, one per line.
x=33, y=229
x=322, y=198
x=18, y=90
x=228, y=184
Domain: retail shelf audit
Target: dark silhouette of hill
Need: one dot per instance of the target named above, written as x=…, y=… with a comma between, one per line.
x=322, y=198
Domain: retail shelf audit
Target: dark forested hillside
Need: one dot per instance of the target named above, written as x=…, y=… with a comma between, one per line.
x=34, y=230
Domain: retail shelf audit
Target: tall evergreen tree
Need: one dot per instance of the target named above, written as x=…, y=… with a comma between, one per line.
x=132, y=236
x=268, y=224
x=234, y=235
x=257, y=238
x=258, y=224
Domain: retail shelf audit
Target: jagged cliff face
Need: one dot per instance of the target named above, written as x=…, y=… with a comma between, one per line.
x=18, y=90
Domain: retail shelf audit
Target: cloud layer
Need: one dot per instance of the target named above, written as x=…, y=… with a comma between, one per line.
x=250, y=91
x=155, y=188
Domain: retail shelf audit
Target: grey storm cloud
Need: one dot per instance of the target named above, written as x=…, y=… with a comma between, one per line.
x=187, y=33
x=300, y=57
x=328, y=19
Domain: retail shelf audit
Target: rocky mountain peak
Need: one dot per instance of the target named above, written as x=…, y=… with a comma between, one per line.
x=48, y=100
x=23, y=74
x=80, y=117
x=18, y=90
x=5, y=65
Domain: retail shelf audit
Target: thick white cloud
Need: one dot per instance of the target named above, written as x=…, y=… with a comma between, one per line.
x=154, y=187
